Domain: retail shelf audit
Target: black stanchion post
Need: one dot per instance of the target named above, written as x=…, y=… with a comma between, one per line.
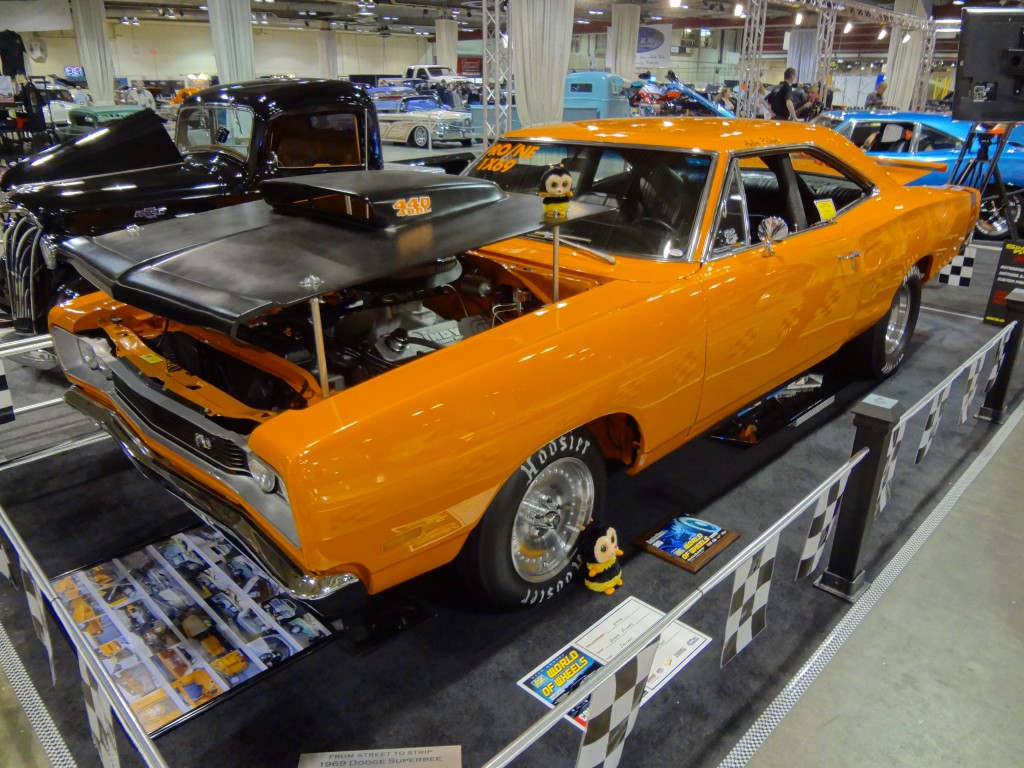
x=875, y=418
x=995, y=400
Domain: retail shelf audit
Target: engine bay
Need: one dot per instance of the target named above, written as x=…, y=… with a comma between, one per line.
x=368, y=330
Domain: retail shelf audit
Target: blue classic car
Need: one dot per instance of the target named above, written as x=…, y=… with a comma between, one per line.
x=934, y=138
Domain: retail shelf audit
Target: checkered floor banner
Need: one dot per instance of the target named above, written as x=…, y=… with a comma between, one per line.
x=932, y=425
x=891, y=453
x=972, y=387
x=997, y=362
x=613, y=708
x=748, y=609
x=38, y=609
x=825, y=507
x=959, y=271
x=6, y=404
x=101, y=719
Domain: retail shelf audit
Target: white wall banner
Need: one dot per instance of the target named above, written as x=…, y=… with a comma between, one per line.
x=35, y=15
x=653, y=46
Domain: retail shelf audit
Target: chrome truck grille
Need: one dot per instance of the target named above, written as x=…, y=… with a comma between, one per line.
x=24, y=268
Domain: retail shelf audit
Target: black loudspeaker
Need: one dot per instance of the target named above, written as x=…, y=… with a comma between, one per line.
x=990, y=66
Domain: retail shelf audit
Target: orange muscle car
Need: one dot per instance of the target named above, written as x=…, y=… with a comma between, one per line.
x=367, y=375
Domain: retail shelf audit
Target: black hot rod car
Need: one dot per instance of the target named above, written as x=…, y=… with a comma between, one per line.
x=228, y=139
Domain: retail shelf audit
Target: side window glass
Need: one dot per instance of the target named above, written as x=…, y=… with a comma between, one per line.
x=732, y=231
x=935, y=141
x=826, y=190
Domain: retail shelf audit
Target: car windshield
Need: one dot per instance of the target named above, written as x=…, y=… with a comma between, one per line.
x=419, y=104
x=829, y=121
x=652, y=196
x=209, y=127
x=440, y=71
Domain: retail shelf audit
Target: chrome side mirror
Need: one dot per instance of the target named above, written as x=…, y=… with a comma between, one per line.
x=771, y=231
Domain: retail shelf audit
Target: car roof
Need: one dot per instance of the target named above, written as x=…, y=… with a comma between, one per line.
x=707, y=133
x=268, y=97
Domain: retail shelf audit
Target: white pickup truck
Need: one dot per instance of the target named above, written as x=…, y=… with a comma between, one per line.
x=433, y=73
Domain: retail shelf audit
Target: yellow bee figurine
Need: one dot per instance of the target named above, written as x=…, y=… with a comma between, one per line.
x=604, y=573
x=556, y=191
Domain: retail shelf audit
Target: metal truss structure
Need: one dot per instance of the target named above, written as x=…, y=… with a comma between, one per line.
x=750, y=56
x=497, y=69
x=828, y=12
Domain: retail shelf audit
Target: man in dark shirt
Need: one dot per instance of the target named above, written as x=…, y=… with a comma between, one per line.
x=12, y=53
x=781, y=97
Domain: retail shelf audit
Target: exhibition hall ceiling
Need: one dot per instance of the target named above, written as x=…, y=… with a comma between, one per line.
x=421, y=16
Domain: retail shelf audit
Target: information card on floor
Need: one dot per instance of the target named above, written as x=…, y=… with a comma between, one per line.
x=438, y=757
x=566, y=670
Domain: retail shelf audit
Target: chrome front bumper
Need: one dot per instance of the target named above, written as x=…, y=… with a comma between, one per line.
x=218, y=512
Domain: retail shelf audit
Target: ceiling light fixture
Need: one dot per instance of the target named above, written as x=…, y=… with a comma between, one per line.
x=799, y=19
x=135, y=21
x=882, y=33
x=906, y=38
x=738, y=10
x=124, y=20
x=847, y=28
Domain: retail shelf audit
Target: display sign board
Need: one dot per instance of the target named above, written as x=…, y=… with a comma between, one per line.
x=653, y=46
x=688, y=542
x=564, y=672
x=183, y=621
x=436, y=757
x=1009, y=275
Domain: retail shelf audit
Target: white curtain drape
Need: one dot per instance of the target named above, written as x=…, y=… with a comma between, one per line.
x=622, y=40
x=541, y=34
x=89, y=18
x=446, y=49
x=231, y=31
x=327, y=45
x=904, y=58
x=803, y=53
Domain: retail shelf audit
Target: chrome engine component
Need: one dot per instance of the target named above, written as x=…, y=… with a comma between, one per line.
x=23, y=264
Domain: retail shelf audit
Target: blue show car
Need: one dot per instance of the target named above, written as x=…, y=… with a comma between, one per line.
x=934, y=138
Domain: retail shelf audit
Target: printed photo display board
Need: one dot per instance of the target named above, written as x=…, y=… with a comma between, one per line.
x=183, y=621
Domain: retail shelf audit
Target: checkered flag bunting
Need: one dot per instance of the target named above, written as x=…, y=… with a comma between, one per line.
x=972, y=387
x=891, y=453
x=932, y=425
x=997, y=362
x=613, y=708
x=38, y=609
x=748, y=609
x=825, y=507
x=6, y=404
x=101, y=719
x=959, y=271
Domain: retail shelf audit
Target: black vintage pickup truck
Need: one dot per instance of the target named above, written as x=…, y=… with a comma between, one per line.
x=228, y=139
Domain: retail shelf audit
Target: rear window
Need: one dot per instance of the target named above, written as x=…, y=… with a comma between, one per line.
x=329, y=140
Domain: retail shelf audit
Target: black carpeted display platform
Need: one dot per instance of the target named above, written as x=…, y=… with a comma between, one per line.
x=452, y=679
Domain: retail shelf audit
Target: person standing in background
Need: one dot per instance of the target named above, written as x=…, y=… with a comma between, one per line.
x=875, y=99
x=781, y=97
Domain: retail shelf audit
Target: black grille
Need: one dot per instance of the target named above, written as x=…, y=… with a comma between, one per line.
x=212, y=448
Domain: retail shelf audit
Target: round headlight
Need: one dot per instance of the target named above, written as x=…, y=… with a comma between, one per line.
x=262, y=474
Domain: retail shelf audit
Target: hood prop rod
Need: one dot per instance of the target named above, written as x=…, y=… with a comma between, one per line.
x=318, y=340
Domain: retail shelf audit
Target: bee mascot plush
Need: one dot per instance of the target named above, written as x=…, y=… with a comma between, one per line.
x=556, y=191
x=604, y=573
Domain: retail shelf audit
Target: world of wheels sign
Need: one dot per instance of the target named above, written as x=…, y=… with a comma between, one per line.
x=1009, y=275
x=565, y=671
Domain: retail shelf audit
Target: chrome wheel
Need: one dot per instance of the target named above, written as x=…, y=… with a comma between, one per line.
x=992, y=220
x=420, y=136
x=899, y=316
x=557, y=504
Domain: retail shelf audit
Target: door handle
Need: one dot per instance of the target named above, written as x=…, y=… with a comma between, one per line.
x=850, y=256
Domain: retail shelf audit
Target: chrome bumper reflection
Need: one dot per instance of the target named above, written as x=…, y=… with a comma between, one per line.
x=212, y=509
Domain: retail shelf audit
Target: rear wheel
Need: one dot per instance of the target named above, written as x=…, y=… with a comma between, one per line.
x=467, y=142
x=879, y=351
x=525, y=549
x=419, y=137
x=992, y=220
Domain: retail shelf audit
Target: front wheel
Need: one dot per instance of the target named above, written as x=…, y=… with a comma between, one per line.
x=879, y=351
x=525, y=549
x=419, y=137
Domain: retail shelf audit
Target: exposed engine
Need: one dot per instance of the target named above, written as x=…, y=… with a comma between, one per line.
x=368, y=330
